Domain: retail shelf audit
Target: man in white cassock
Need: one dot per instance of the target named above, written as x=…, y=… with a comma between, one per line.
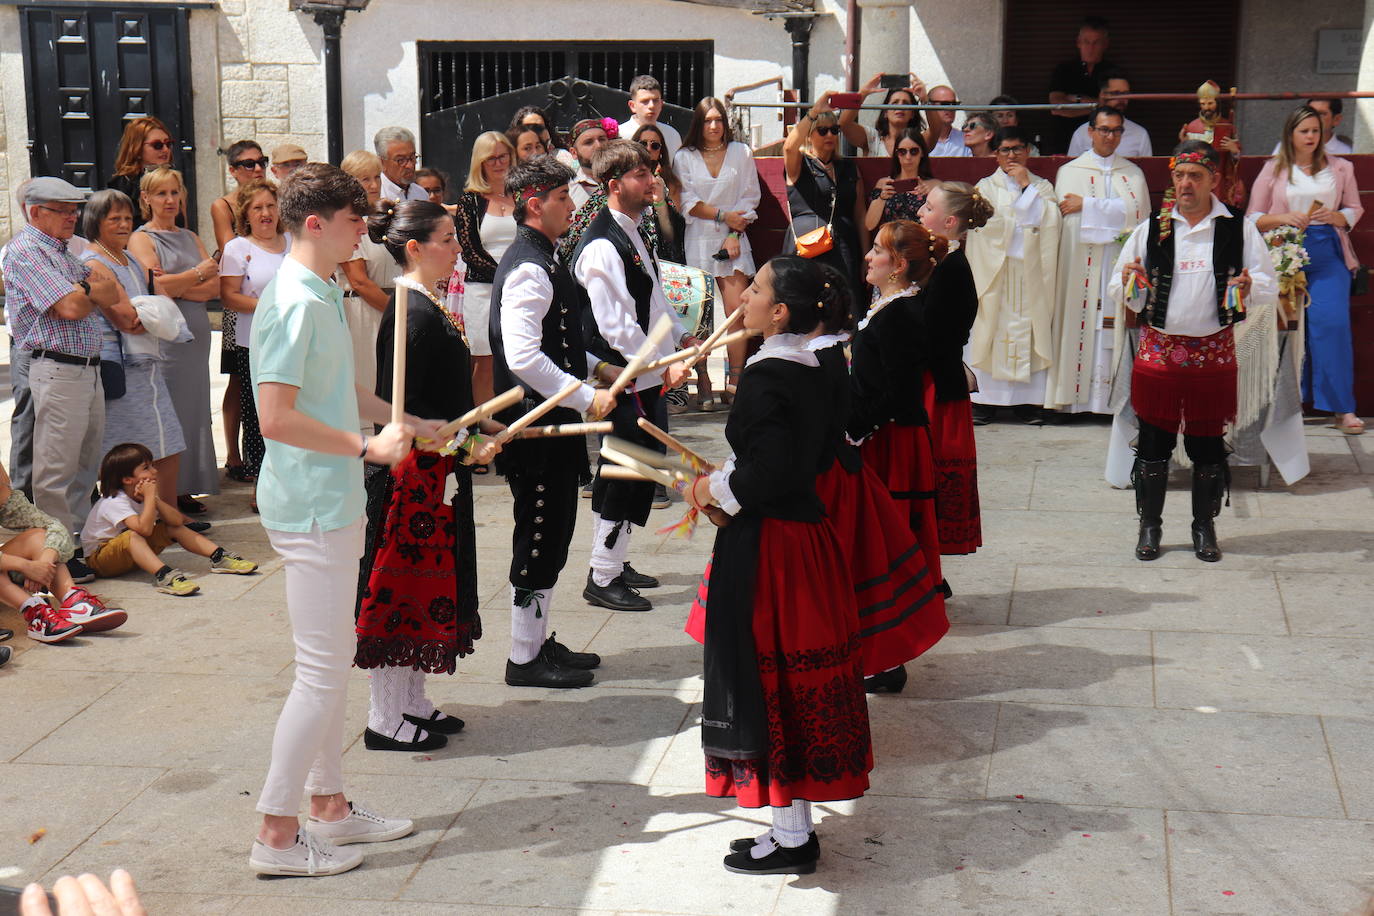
x=1014, y=260
x=1101, y=197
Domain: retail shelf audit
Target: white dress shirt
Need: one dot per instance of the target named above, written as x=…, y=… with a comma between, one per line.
x=1193, y=295
x=1134, y=142
x=583, y=186
x=671, y=137
x=525, y=299
x=953, y=145
x=392, y=191
x=602, y=273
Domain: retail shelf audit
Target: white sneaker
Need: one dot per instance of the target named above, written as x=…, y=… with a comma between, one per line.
x=361, y=826
x=311, y=856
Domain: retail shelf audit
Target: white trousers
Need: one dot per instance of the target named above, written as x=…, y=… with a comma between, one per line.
x=321, y=587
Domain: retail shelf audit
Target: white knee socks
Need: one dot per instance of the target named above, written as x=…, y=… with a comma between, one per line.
x=390, y=696
x=417, y=704
x=529, y=622
x=609, y=562
x=792, y=825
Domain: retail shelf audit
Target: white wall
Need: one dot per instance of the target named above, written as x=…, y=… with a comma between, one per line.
x=1278, y=53
x=14, y=129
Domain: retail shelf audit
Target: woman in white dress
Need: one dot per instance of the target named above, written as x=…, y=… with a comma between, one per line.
x=485, y=223
x=368, y=280
x=720, y=192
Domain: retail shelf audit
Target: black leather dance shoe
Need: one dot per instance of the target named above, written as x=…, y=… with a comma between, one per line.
x=636, y=579
x=448, y=725
x=376, y=741
x=564, y=657
x=781, y=861
x=544, y=672
x=617, y=596
x=886, y=681
x=746, y=843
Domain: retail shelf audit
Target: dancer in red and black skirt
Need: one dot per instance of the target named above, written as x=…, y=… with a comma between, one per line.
x=418, y=591
x=784, y=719
x=901, y=610
x=943, y=319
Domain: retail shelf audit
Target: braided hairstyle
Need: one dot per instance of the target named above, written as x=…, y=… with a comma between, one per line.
x=815, y=294
x=966, y=204
x=393, y=224
x=913, y=243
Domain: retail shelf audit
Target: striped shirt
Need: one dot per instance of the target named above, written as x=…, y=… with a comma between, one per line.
x=38, y=272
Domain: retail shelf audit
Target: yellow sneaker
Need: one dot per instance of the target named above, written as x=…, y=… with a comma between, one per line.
x=176, y=583
x=236, y=565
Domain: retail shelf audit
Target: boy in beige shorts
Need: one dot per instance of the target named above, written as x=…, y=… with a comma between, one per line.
x=129, y=526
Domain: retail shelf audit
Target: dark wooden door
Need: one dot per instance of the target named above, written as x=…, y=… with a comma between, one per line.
x=1170, y=46
x=90, y=69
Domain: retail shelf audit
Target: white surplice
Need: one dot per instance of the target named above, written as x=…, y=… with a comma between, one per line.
x=1115, y=200
x=1014, y=259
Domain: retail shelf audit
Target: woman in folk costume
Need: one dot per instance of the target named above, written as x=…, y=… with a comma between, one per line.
x=943, y=318
x=901, y=608
x=886, y=414
x=418, y=589
x=1188, y=273
x=784, y=717
x=1014, y=259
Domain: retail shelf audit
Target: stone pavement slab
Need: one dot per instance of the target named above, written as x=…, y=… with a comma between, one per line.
x=1094, y=736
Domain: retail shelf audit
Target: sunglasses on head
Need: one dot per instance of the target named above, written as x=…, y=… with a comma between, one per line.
x=160, y=145
x=250, y=163
x=827, y=130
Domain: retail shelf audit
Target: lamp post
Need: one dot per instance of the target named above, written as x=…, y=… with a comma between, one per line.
x=329, y=14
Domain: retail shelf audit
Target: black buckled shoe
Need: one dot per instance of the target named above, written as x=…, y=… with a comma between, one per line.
x=781, y=861
x=376, y=741
x=746, y=843
x=617, y=596
x=544, y=672
x=564, y=657
x=448, y=725
x=1151, y=480
x=886, y=681
x=636, y=579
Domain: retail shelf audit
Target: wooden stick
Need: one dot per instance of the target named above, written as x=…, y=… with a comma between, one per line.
x=616, y=472
x=657, y=475
x=514, y=429
x=710, y=343
x=674, y=444
x=673, y=465
x=565, y=429
x=481, y=412
x=650, y=346
x=398, y=358
x=694, y=353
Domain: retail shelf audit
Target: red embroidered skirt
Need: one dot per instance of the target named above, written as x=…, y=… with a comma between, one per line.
x=1187, y=382
x=957, y=513
x=904, y=460
x=806, y=640
x=901, y=611
x=419, y=609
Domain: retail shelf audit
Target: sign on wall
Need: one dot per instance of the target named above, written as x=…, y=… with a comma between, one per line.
x=1338, y=50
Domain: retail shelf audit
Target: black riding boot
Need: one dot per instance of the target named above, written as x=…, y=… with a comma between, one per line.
x=1151, y=479
x=1209, y=482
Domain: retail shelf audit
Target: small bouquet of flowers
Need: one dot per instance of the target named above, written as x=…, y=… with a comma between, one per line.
x=1289, y=258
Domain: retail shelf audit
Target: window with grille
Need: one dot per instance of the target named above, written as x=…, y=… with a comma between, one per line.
x=455, y=73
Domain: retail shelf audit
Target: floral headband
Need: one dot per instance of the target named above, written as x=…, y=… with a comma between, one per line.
x=530, y=192
x=1197, y=157
x=610, y=125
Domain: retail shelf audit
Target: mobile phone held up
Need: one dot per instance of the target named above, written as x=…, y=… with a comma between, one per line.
x=841, y=101
x=903, y=185
x=893, y=81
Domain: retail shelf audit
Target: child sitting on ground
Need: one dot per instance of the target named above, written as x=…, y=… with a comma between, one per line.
x=129, y=526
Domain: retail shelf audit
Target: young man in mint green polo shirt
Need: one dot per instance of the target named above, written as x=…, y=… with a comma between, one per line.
x=310, y=492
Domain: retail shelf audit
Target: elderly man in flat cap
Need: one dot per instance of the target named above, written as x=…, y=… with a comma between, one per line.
x=53, y=299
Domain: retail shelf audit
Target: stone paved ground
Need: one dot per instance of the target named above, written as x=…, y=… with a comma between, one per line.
x=1095, y=735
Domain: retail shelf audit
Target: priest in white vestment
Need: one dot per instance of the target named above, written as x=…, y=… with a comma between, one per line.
x=1014, y=260
x=1102, y=197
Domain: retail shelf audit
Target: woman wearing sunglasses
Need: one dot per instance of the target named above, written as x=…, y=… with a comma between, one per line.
x=902, y=194
x=823, y=190
x=145, y=145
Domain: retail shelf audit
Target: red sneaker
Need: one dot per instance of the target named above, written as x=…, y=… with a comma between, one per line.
x=88, y=610
x=46, y=624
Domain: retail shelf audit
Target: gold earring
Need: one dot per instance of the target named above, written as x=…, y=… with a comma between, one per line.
x=892, y=277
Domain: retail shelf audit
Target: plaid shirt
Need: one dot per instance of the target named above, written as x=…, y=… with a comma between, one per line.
x=38, y=272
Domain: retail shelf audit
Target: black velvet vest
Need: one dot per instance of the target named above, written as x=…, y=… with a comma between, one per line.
x=1228, y=259
x=638, y=280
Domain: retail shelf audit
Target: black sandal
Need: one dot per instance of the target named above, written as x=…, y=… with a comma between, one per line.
x=237, y=472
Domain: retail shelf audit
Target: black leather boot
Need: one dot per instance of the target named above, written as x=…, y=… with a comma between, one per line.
x=1209, y=483
x=1151, y=480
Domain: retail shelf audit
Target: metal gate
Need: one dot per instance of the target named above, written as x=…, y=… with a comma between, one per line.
x=470, y=87
x=88, y=70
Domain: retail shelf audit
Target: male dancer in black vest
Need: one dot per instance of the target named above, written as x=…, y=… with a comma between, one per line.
x=621, y=278
x=1190, y=272
x=536, y=341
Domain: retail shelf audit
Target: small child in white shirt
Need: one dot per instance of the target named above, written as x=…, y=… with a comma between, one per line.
x=129, y=526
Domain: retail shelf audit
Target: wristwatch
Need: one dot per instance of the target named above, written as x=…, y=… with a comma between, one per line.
x=85, y=287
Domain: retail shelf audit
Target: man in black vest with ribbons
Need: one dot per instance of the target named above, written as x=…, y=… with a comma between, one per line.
x=1188, y=273
x=536, y=330
x=621, y=277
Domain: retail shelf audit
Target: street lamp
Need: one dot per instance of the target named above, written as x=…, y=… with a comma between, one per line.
x=329, y=14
